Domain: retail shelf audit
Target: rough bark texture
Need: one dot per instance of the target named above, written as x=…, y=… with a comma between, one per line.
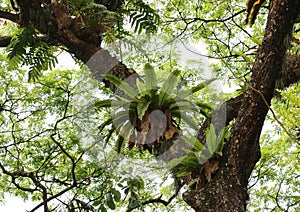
x=51, y=18
x=227, y=190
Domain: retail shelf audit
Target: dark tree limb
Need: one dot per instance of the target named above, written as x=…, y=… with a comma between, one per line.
x=5, y=41
x=10, y=16
x=159, y=199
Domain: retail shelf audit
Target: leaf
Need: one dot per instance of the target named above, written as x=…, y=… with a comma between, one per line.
x=141, y=86
x=150, y=77
x=202, y=85
x=256, y=40
x=104, y=124
x=143, y=17
x=133, y=203
x=122, y=85
x=184, y=106
x=188, y=120
x=168, y=87
x=173, y=163
x=116, y=193
x=103, y=209
x=110, y=202
x=196, y=88
x=142, y=108
x=193, y=142
x=211, y=139
x=97, y=202
x=221, y=140
x=103, y=103
x=203, y=106
x=120, y=118
x=119, y=143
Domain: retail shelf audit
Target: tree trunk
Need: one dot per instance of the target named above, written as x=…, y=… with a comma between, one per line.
x=227, y=190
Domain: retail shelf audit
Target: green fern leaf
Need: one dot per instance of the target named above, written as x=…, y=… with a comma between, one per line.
x=122, y=85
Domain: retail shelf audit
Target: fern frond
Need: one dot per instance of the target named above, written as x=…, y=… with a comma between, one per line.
x=26, y=48
x=143, y=17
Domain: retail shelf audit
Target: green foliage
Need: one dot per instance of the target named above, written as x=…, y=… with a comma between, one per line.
x=149, y=97
x=215, y=143
x=142, y=16
x=199, y=154
x=120, y=84
x=27, y=48
x=32, y=117
x=280, y=154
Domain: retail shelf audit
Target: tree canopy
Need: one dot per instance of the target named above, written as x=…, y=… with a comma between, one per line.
x=138, y=123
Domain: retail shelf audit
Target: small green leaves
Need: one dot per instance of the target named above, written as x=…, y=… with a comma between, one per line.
x=116, y=193
x=143, y=17
x=255, y=40
x=244, y=56
x=102, y=208
x=26, y=48
x=110, y=201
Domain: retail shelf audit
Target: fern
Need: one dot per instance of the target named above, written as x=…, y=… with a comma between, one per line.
x=142, y=17
x=199, y=154
x=26, y=48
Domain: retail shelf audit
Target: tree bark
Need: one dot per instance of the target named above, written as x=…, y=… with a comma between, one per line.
x=227, y=190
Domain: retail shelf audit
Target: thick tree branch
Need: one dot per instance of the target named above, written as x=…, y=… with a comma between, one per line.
x=10, y=16
x=5, y=41
x=266, y=69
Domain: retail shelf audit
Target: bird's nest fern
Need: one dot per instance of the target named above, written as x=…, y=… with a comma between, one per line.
x=150, y=116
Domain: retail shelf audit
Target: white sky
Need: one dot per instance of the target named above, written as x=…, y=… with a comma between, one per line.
x=13, y=204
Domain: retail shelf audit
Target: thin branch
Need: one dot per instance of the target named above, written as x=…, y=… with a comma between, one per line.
x=19, y=173
x=159, y=199
x=192, y=20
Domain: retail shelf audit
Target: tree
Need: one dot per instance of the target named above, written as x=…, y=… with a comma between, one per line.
x=42, y=27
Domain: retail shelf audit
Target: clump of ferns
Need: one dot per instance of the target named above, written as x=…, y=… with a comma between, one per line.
x=149, y=116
